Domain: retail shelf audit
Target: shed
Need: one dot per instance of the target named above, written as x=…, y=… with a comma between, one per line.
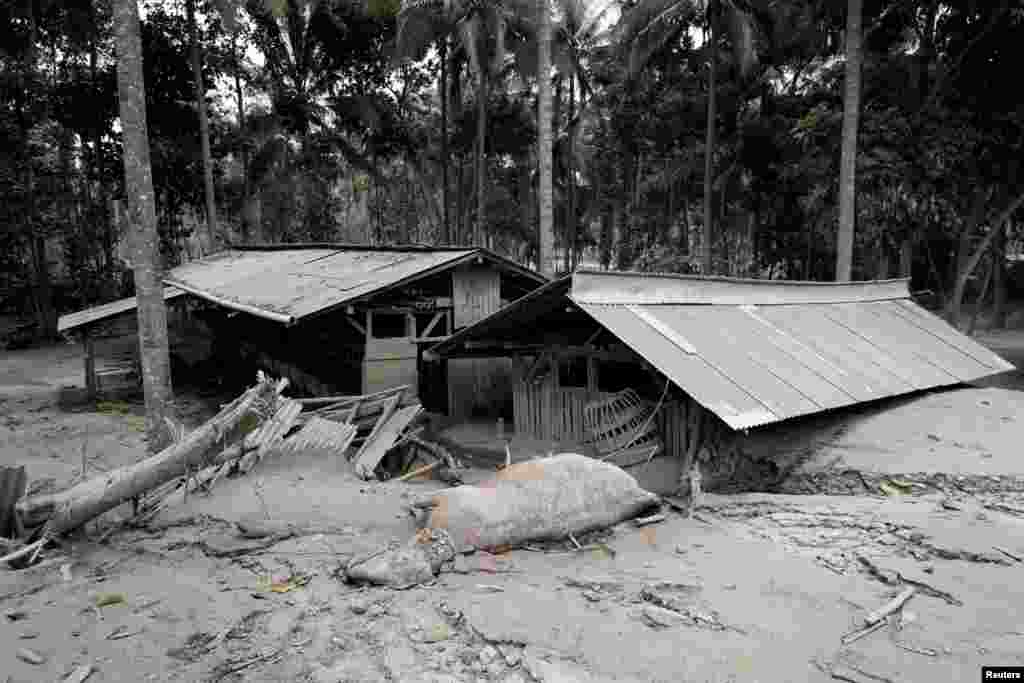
x=711, y=358
x=345, y=318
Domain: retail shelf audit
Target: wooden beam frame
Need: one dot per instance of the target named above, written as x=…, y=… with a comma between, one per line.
x=355, y=323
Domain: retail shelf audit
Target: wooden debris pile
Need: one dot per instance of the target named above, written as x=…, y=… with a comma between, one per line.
x=379, y=433
x=239, y=436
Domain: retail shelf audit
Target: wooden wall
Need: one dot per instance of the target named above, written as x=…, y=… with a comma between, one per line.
x=477, y=387
x=547, y=411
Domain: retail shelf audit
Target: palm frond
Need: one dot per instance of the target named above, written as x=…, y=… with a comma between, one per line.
x=652, y=25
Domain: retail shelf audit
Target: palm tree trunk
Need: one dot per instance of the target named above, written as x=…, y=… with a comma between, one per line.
x=999, y=279
x=446, y=233
x=545, y=198
x=481, y=158
x=848, y=161
x=244, y=151
x=152, y=315
x=707, y=230
x=204, y=126
x=570, y=188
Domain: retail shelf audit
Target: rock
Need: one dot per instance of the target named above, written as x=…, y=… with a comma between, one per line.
x=592, y=596
x=661, y=617
x=488, y=654
x=436, y=633
x=28, y=635
x=359, y=607
x=30, y=656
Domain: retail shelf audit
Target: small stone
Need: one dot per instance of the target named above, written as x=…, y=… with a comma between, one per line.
x=512, y=658
x=729, y=586
x=436, y=634
x=659, y=616
x=358, y=607
x=488, y=654
x=30, y=656
x=934, y=437
x=28, y=635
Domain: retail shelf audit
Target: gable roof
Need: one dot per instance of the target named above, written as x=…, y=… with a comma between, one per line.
x=287, y=283
x=760, y=351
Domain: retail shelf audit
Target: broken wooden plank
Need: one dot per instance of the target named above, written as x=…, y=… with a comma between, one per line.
x=382, y=439
x=341, y=401
x=13, y=482
x=320, y=436
x=890, y=607
x=386, y=412
x=271, y=433
x=419, y=471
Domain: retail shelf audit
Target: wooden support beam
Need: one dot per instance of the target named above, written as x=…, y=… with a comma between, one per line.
x=433, y=323
x=90, y=365
x=355, y=323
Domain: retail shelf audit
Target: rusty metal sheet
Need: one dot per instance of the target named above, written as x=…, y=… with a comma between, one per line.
x=287, y=285
x=611, y=287
x=842, y=347
x=938, y=328
x=710, y=387
x=787, y=358
x=71, y=321
x=897, y=339
x=709, y=329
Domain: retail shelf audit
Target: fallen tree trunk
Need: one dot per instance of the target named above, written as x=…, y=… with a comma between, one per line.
x=77, y=505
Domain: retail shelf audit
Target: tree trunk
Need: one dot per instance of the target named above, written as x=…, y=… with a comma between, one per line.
x=571, y=230
x=152, y=315
x=999, y=279
x=707, y=230
x=446, y=234
x=848, y=160
x=906, y=257
x=70, y=509
x=204, y=127
x=481, y=158
x=972, y=262
x=546, y=241
x=244, y=151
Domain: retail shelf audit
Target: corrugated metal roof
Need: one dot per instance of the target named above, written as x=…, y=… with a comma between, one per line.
x=287, y=285
x=756, y=352
x=71, y=321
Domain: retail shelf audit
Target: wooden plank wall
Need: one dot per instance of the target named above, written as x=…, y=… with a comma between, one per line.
x=546, y=411
x=476, y=294
x=477, y=386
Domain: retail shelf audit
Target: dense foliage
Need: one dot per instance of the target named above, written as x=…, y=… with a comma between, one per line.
x=327, y=124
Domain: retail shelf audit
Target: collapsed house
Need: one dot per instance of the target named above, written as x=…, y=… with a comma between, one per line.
x=627, y=366
x=333, y=319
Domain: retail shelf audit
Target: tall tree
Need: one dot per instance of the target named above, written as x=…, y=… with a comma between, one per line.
x=204, y=125
x=848, y=159
x=138, y=176
x=546, y=238
x=708, y=225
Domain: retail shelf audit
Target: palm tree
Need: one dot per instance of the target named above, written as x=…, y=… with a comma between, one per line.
x=546, y=238
x=848, y=160
x=204, y=124
x=138, y=176
x=654, y=24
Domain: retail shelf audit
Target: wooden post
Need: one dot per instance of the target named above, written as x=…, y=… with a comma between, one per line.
x=90, y=365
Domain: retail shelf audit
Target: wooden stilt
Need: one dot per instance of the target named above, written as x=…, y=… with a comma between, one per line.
x=90, y=365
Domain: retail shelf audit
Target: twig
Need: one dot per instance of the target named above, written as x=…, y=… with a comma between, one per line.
x=575, y=542
x=26, y=550
x=890, y=607
x=653, y=519
x=927, y=652
x=1010, y=555
x=857, y=635
x=252, y=661
x=418, y=471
